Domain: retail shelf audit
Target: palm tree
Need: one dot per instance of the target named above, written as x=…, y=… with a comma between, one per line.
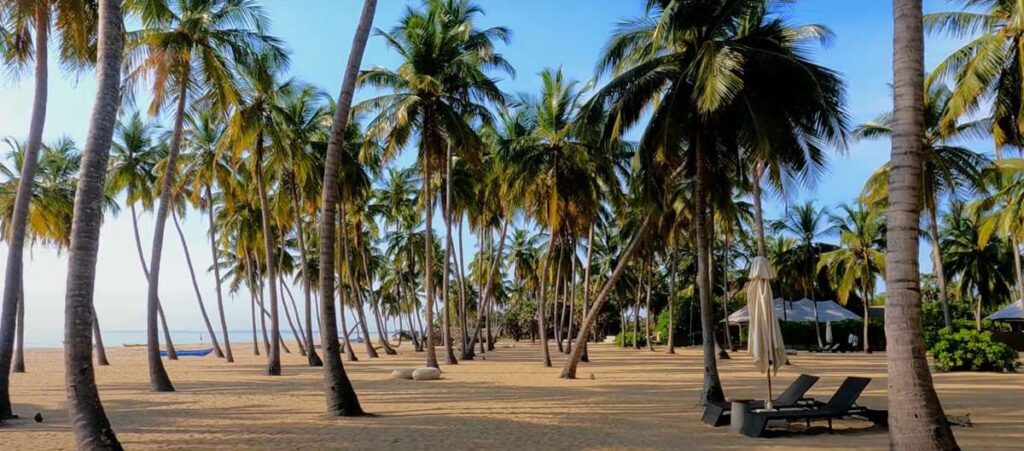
x=252, y=124
x=916, y=419
x=807, y=223
x=185, y=47
x=340, y=396
x=90, y=423
x=205, y=165
x=133, y=170
x=714, y=71
x=980, y=265
x=859, y=260
x=28, y=40
x=301, y=119
x=435, y=93
x=949, y=169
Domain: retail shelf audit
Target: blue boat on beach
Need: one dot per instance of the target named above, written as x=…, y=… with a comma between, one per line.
x=190, y=352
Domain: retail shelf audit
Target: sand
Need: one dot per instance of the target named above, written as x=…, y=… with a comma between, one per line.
x=625, y=399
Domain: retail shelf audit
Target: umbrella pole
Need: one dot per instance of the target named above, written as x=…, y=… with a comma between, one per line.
x=768, y=402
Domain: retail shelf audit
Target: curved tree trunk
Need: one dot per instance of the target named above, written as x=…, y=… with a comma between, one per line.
x=288, y=316
x=195, y=287
x=216, y=275
x=274, y=357
x=87, y=417
x=916, y=419
x=171, y=353
x=586, y=290
x=569, y=370
x=340, y=396
x=101, y=351
x=19, y=220
x=311, y=356
x=158, y=378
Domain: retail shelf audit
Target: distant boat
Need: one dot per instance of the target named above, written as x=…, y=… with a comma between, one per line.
x=190, y=352
x=134, y=345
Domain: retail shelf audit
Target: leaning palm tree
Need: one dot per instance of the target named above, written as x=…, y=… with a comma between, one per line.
x=133, y=171
x=436, y=93
x=340, y=396
x=184, y=48
x=206, y=165
x=29, y=25
x=916, y=419
x=89, y=422
x=949, y=169
x=859, y=261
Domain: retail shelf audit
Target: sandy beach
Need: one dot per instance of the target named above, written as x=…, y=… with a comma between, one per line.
x=625, y=399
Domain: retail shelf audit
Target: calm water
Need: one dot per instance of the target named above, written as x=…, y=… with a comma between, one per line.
x=122, y=337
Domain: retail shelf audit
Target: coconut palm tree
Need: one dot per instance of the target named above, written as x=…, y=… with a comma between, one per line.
x=980, y=265
x=29, y=26
x=205, y=165
x=133, y=171
x=437, y=92
x=807, y=223
x=916, y=419
x=949, y=169
x=252, y=125
x=185, y=49
x=89, y=422
x=713, y=71
x=859, y=261
x=340, y=396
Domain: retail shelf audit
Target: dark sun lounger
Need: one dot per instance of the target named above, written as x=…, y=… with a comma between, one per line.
x=717, y=413
x=842, y=405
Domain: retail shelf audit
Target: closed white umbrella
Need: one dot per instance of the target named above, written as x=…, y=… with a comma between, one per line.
x=766, y=346
x=828, y=332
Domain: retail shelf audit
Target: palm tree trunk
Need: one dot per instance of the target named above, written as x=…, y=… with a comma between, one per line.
x=428, y=270
x=463, y=314
x=195, y=287
x=343, y=296
x=1017, y=266
x=19, y=345
x=88, y=419
x=712, y=390
x=171, y=353
x=916, y=419
x=726, y=297
x=867, y=314
x=556, y=294
x=446, y=272
x=255, y=340
x=940, y=274
x=586, y=289
x=571, y=299
x=274, y=357
x=340, y=396
x=97, y=336
x=672, y=302
x=758, y=210
x=158, y=379
x=288, y=316
x=19, y=220
x=229, y=357
x=649, y=312
x=488, y=288
x=569, y=370
x=636, y=310
x=374, y=302
x=305, y=345
x=311, y=356
x=357, y=292
x=541, y=313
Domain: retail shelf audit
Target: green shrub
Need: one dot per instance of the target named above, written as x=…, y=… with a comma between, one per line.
x=970, y=350
x=628, y=336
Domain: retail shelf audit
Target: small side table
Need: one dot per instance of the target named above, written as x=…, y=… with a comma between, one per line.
x=738, y=413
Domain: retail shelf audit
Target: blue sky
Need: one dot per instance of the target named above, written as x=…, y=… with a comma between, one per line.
x=546, y=33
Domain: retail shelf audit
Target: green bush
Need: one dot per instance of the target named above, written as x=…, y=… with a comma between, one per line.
x=628, y=336
x=970, y=350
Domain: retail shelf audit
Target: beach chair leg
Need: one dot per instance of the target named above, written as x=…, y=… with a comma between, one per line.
x=808, y=423
x=830, y=425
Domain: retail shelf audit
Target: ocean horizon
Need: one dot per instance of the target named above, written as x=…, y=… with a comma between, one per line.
x=179, y=337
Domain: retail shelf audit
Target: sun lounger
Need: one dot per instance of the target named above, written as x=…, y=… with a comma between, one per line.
x=190, y=352
x=717, y=413
x=843, y=404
